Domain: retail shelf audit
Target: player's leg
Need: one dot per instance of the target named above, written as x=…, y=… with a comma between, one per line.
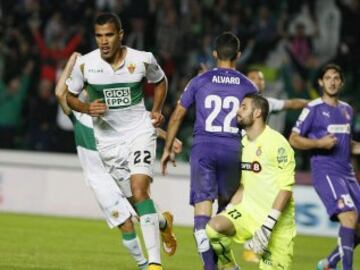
x=335, y=194
x=132, y=243
x=142, y=156
x=203, y=191
x=115, y=207
x=220, y=231
x=202, y=215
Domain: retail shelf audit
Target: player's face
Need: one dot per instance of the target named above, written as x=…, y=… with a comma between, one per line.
x=245, y=113
x=257, y=77
x=331, y=83
x=108, y=39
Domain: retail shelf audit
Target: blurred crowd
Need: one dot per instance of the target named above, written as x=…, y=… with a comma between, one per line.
x=288, y=40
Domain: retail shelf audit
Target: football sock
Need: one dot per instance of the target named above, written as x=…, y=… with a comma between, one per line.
x=334, y=258
x=221, y=244
x=346, y=247
x=206, y=253
x=149, y=223
x=162, y=222
x=131, y=242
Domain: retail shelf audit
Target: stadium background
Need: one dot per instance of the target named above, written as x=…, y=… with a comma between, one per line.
x=288, y=40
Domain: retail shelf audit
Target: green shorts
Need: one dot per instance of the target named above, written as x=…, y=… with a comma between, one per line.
x=280, y=250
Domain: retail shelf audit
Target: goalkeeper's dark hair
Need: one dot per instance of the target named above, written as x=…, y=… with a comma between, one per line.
x=259, y=102
x=107, y=17
x=227, y=46
x=335, y=67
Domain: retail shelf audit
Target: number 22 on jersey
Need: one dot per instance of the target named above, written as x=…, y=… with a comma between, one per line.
x=216, y=103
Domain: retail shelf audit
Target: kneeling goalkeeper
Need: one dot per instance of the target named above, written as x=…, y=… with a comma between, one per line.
x=262, y=212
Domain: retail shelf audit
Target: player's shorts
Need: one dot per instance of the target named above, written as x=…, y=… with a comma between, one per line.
x=280, y=250
x=123, y=158
x=215, y=172
x=111, y=200
x=338, y=192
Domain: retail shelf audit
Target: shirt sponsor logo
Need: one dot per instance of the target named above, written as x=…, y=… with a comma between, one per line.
x=117, y=97
x=342, y=129
x=225, y=79
x=254, y=166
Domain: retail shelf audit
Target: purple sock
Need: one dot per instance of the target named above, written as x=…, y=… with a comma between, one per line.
x=334, y=258
x=347, y=239
x=207, y=254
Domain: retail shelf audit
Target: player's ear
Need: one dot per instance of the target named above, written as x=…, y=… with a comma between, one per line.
x=121, y=34
x=215, y=54
x=238, y=55
x=320, y=82
x=257, y=113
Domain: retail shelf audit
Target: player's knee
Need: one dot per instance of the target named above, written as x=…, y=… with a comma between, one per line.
x=127, y=226
x=211, y=232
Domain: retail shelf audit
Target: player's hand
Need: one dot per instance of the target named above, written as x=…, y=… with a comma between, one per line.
x=254, y=245
x=327, y=142
x=177, y=146
x=166, y=157
x=157, y=119
x=97, y=108
x=260, y=240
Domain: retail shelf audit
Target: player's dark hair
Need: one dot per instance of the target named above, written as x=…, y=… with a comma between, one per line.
x=108, y=17
x=227, y=46
x=261, y=103
x=335, y=67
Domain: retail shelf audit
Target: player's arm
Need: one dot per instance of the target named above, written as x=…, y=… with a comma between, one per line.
x=355, y=147
x=177, y=145
x=295, y=104
x=61, y=89
x=160, y=91
x=174, y=124
x=304, y=143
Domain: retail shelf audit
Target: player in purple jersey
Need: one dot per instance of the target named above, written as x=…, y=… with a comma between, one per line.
x=324, y=126
x=214, y=158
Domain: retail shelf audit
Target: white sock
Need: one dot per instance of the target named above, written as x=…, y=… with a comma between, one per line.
x=135, y=250
x=150, y=230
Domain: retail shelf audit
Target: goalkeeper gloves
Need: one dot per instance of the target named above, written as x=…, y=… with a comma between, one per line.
x=260, y=240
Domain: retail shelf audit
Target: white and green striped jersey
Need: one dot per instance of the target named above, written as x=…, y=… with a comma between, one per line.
x=120, y=89
x=89, y=158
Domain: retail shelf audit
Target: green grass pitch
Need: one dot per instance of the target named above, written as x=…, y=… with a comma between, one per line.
x=54, y=243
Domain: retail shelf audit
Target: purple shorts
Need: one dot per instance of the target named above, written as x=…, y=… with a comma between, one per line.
x=339, y=192
x=215, y=173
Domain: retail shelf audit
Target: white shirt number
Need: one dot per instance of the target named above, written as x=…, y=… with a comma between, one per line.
x=215, y=103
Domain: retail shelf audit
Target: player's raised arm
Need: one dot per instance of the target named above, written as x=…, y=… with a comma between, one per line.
x=61, y=89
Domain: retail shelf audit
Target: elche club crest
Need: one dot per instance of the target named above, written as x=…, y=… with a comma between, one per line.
x=131, y=68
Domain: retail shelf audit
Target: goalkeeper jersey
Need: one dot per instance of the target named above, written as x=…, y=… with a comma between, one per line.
x=120, y=89
x=267, y=167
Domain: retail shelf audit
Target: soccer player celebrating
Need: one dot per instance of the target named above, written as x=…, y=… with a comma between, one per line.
x=262, y=210
x=324, y=127
x=124, y=131
x=114, y=205
x=215, y=170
